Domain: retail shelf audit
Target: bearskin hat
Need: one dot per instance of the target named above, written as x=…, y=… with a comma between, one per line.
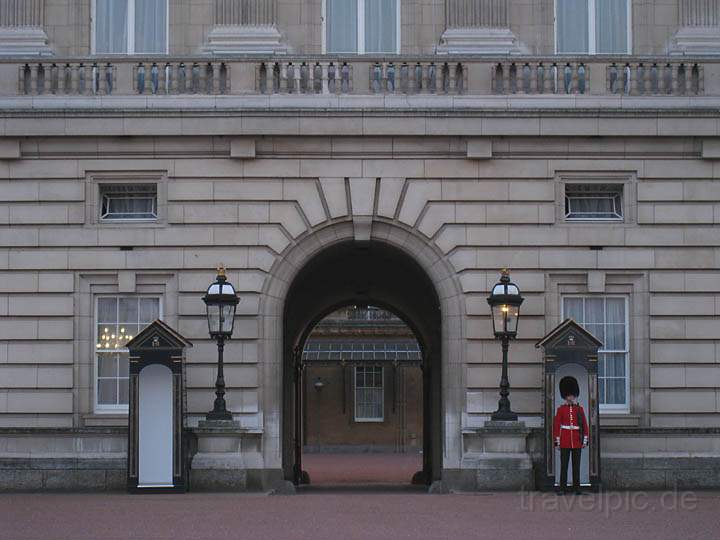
x=569, y=387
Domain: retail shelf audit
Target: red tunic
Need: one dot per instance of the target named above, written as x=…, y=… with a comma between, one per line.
x=566, y=427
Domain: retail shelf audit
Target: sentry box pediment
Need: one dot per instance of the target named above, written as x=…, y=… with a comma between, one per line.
x=570, y=351
x=570, y=342
x=156, y=443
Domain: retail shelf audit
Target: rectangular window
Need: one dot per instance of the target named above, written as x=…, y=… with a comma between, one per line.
x=606, y=318
x=591, y=201
x=362, y=26
x=130, y=26
x=369, y=402
x=593, y=26
x=117, y=320
x=128, y=201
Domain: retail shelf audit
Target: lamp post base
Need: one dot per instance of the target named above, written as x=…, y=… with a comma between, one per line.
x=219, y=415
x=504, y=416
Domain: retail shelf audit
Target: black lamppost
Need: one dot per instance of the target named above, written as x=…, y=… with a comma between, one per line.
x=221, y=302
x=505, y=303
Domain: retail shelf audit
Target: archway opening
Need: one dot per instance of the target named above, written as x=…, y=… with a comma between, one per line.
x=364, y=274
x=362, y=400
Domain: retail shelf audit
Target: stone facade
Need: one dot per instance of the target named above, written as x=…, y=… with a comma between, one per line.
x=264, y=164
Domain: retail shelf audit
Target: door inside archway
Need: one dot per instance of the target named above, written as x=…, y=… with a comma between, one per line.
x=361, y=274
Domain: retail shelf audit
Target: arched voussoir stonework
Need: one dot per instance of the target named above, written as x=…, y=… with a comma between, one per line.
x=440, y=273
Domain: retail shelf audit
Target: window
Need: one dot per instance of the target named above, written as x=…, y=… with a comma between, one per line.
x=128, y=201
x=362, y=26
x=369, y=394
x=593, y=26
x=594, y=202
x=118, y=320
x=605, y=317
x=130, y=26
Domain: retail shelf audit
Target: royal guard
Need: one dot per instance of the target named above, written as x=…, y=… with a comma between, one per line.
x=570, y=432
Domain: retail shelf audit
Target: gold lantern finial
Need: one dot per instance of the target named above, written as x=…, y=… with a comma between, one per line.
x=505, y=272
x=221, y=270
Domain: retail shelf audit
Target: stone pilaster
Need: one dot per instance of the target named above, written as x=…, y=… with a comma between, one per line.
x=478, y=27
x=21, y=28
x=245, y=27
x=699, y=31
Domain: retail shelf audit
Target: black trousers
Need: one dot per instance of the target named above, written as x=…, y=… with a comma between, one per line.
x=564, y=459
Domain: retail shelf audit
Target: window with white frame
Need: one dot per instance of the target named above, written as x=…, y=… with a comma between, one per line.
x=369, y=402
x=594, y=201
x=362, y=26
x=130, y=26
x=606, y=317
x=117, y=320
x=128, y=202
x=593, y=26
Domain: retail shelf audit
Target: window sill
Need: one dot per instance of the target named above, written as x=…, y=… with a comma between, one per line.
x=613, y=419
x=110, y=418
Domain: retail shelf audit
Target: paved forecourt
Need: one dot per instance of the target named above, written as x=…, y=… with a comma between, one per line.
x=361, y=513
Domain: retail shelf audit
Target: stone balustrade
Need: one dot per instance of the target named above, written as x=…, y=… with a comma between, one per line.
x=70, y=78
x=655, y=78
x=436, y=75
x=304, y=78
x=192, y=77
x=540, y=77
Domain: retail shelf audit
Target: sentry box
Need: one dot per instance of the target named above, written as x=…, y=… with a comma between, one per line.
x=570, y=351
x=157, y=447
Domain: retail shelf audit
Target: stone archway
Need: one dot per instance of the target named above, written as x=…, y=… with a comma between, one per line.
x=396, y=268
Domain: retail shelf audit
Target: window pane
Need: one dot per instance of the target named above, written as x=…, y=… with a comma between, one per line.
x=611, y=22
x=107, y=365
x=123, y=392
x=111, y=26
x=107, y=391
x=615, y=391
x=614, y=337
x=128, y=201
x=341, y=25
x=128, y=310
x=593, y=201
x=380, y=26
x=572, y=26
x=573, y=309
x=614, y=365
x=616, y=310
x=107, y=310
x=595, y=317
x=123, y=363
x=150, y=26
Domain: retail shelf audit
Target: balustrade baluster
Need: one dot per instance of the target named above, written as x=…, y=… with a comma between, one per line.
x=325, y=67
x=334, y=79
x=216, y=74
x=33, y=79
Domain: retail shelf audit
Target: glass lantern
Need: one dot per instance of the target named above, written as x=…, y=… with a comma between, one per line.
x=221, y=302
x=505, y=301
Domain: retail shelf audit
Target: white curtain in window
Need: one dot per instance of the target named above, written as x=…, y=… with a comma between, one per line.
x=572, y=26
x=111, y=26
x=150, y=26
x=615, y=334
x=381, y=26
x=341, y=25
x=611, y=21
